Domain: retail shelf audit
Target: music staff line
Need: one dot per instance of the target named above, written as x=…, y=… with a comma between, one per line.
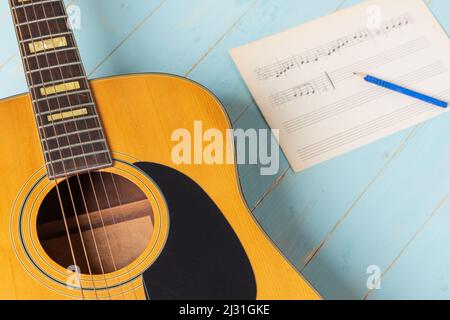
x=328, y=81
x=282, y=67
x=359, y=99
x=366, y=129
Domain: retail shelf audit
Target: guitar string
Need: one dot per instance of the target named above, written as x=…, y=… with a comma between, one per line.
x=126, y=225
x=117, y=193
x=45, y=55
x=97, y=121
x=80, y=66
x=54, y=128
x=84, y=155
x=26, y=65
x=103, y=180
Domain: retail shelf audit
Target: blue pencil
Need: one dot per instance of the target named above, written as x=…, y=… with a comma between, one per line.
x=402, y=90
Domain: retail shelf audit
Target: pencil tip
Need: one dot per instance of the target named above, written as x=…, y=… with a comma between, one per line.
x=359, y=74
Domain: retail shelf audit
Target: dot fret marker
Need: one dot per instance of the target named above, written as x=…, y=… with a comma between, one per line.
x=59, y=89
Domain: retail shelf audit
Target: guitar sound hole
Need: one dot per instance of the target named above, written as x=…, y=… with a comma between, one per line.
x=111, y=233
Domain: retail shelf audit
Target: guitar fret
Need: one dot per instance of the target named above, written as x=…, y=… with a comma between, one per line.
x=81, y=170
x=53, y=83
x=55, y=67
x=67, y=121
x=70, y=108
x=78, y=156
x=60, y=95
x=64, y=101
x=47, y=52
x=55, y=35
x=76, y=145
x=21, y=6
x=40, y=20
x=64, y=108
x=27, y=15
x=74, y=150
x=65, y=135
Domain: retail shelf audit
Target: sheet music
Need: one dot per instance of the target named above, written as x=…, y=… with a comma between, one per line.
x=303, y=81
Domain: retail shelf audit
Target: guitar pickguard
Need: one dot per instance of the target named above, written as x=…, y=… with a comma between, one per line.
x=203, y=258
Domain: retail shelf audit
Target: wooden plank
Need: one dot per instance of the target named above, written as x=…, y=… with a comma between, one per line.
x=385, y=219
x=175, y=38
x=273, y=16
x=422, y=269
x=299, y=210
x=12, y=79
x=218, y=73
x=441, y=11
x=96, y=38
x=106, y=23
x=328, y=218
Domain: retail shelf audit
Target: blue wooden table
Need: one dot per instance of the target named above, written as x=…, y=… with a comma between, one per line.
x=385, y=207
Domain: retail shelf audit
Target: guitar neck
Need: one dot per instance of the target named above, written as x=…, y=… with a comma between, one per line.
x=69, y=126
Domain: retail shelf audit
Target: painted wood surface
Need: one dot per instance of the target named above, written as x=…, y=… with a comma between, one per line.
x=386, y=204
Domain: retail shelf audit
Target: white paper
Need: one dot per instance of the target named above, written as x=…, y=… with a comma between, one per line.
x=303, y=81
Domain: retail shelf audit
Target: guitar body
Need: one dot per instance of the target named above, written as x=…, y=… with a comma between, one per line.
x=205, y=244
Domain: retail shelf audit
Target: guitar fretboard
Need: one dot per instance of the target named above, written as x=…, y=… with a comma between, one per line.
x=69, y=126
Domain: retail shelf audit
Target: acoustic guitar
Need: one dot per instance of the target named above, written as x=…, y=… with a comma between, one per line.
x=92, y=205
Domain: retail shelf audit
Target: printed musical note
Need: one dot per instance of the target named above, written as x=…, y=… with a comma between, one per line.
x=282, y=67
x=328, y=80
x=302, y=79
x=299, y=91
